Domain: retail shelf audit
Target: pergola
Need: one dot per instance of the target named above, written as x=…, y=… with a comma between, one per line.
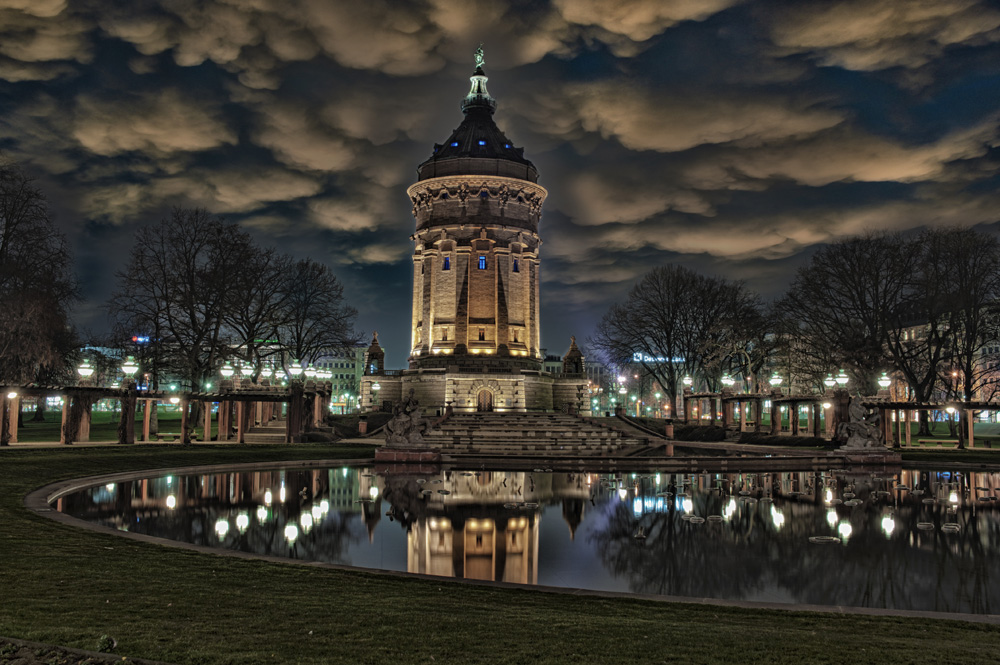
x=718, y=402
x=238, y=410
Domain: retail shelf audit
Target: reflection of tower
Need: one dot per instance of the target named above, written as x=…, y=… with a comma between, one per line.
x=475, y=282
x=498, y=548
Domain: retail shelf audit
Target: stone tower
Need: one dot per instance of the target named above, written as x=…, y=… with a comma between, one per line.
x=477, y=206
x=476, y=344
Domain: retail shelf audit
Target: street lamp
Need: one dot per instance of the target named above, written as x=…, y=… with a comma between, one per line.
x=829, y=381
x=85, y=370
x=775, y=379
x=130, y=368
x=884, y=382
x=226, y=371
x=295, y=371
x=728, y=381
x=841, y=379
x=687, y=380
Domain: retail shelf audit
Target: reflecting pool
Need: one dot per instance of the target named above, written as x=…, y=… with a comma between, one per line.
x=913, y=540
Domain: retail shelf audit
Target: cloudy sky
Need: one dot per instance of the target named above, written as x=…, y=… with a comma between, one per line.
x=731, y=137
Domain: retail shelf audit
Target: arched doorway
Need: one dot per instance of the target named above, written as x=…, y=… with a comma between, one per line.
x=484, y=401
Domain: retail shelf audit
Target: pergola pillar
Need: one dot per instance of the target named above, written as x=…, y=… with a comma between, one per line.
x=147, y=414
x=126, y=427
x=793, y=418
x=13, y=411
x=5, y=418
x=207, y=421
x=907, y=416
x=758, y=413
x=743, y=414
x=775, y=418
x=185, y=408
x=816, y=410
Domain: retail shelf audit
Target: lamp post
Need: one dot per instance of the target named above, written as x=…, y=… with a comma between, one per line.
x=775, y=380
x=85, y=371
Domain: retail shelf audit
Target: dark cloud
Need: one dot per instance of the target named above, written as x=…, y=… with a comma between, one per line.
x=733, y=138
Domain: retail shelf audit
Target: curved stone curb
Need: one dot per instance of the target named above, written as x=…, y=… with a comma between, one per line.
x=38, y=501
x=82, y=653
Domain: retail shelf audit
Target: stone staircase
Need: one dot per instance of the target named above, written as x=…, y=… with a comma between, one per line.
x=272, y=432
x=548, y=435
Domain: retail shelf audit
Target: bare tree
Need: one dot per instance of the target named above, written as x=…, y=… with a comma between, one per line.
x=316, y=316
x=36, y=341
x=675, y=322
x=179, y=287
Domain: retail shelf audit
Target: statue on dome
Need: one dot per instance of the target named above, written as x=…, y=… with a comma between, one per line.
x=480, y=57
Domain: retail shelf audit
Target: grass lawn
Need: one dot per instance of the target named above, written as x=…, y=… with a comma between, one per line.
x=103, y=425
x=67, y=586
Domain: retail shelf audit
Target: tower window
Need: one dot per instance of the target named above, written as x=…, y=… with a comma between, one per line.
x=482, y=334
x=482, y=262
x=506, y=145
x=447, y=263
x=454, y=144
x=517, y=266
x=481, y=142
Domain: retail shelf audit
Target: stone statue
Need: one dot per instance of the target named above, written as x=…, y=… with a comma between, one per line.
x=863, y=430
x=407, y=425
x=480, y=57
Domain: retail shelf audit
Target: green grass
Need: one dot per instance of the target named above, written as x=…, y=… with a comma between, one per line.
x=67, y=586
x=103, y=426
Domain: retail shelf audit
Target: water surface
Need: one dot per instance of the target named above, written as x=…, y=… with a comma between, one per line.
x=912, y=540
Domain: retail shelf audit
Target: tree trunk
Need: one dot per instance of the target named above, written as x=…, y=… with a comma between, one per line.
x=39, y=410
x=925, y=426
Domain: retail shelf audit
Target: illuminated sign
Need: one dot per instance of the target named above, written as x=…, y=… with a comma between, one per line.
x=140, y=340
x=639, y=357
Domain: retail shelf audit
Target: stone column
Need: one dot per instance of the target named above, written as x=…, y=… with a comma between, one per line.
x=126, y=427
x=241, y=408
x=12, y=411
x=816, y=409
x=67, y=432
x=793, y=418
x=758, y=414
x=207, y=421
x=907, y=416
x=5, y=409
x=147, y=412
x=775, y=417
x=86, y=404
x=185, y=435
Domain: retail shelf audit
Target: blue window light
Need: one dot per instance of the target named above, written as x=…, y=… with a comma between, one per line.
x=454, y=144
x=447, y=263
x=516, y=266
x=481, y=142
x=482, y=262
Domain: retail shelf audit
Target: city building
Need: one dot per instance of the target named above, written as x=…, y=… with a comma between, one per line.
x=475, y=320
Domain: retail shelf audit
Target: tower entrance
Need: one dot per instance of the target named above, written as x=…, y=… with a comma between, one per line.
x=485, y=401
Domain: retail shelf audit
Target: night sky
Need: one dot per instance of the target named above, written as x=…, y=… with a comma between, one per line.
x=734, y=138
